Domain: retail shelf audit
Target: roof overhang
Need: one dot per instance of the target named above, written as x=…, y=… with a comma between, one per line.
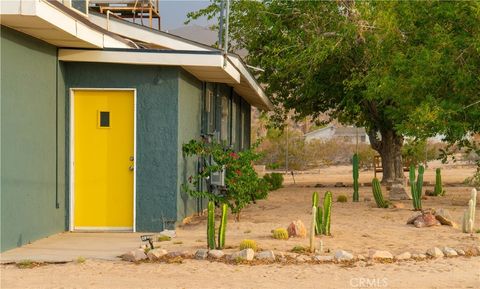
x=205, y=66
x=53, y=24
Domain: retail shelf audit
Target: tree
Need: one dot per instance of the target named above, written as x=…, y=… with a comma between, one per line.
x=401, y=69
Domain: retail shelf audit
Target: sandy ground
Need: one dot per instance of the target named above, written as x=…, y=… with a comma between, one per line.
x=356, y=227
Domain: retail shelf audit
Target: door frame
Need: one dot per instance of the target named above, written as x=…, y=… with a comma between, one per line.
x=71, y=155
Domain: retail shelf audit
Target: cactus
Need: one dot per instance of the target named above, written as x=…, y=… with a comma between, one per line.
x=377, y=194
x=211, y=225
x=223, y=227
x=342, y=199
x=313, y=225
x=355, y=178
x=319, y=221
x=327, y=207
x=416, y=186
x=280, y=233
x=469, y=214
x=438, y=191
x=248, y=244
x=315, y=199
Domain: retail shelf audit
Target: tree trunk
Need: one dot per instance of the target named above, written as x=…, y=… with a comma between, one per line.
x=390, y=150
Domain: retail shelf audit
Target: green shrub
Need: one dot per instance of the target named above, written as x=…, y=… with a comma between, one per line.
x=275, y=180
x=342, y=199
x=299, y=249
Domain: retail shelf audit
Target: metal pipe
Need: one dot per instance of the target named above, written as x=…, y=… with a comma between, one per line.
x=220, y=28
x=226, y=34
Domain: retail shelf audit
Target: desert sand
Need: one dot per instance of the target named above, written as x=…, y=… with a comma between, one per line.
x=356, y=227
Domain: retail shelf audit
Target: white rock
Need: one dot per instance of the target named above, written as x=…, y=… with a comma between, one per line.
x=323, y=258
x=266, y=255
x=168, y=233
x=419, y=256
x=216, y=254
x=449, y=252
x=342, y=255
x=403, y=256
x=460, y=252
x=381, y=255
x=246, y=254
x=201, y=254
x=361, y=258
x=134, y=256
x=435, y=252
x=156, y=254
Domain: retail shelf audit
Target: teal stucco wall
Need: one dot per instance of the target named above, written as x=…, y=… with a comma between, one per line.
x=32, y=147
x=190, y=92
x=156, y=140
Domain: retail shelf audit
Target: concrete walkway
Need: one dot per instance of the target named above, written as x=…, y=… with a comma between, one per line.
x=68, y=246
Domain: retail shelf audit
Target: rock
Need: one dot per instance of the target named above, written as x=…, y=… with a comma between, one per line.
x=444, y=217
x=381, y=255
x=361, y=257
x=419, y=222
x=460, y=252
x=175, y=254
x=449, y=252
x=297, y=229
x=419, y=256
x=398, y=205
x=435, y=252
x=413, y=218
x=266, y=255
x=339, y=185
x=134, y=256
x=430, y=220
x=342, y=255
x=323, y=258
x=216, y=254
x=319, y=186
x=403, y=256
x=156, y=254
x=201, y=254
x=246, y=254
x=398, y=192
x=168, y=233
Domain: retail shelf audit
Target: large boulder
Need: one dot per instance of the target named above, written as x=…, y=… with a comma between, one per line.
x=444, y=217
x=297, y=229
x=398, y=192
x=156, y=254
x=134, y=255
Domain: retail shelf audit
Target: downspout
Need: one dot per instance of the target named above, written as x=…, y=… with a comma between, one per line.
x=57, y=204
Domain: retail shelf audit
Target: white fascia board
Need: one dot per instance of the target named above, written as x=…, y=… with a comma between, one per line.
x=149, y=58
x=133, y=31
x=252, y=83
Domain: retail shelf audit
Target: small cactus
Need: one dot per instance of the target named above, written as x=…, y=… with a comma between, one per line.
x=342, y=199
x=223, y=227
x=469, y=214
x=416, y=186
x=248, y=244
x=313, y=225
x=438, y=191
x=315, y=199
x=280, y=234
x=319, y=221
x=377, y=194
x=327, y=207
x=211, y=225
x=355, y=178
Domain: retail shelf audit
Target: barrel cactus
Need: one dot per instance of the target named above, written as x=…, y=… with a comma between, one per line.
x=280, y=233
x=248, y=244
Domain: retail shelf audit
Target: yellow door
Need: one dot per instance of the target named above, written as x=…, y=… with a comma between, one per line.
x=103, y=159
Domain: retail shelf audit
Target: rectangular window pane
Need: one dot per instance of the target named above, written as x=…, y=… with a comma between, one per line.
x=104, y=119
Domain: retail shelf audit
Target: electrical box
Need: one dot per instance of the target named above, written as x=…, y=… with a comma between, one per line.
x=218, y=178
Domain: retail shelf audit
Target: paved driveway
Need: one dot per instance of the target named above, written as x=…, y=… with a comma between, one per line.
x=69, y=246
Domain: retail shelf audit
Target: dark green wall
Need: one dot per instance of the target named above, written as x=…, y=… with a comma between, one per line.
x=29, y=155
x=157, y=123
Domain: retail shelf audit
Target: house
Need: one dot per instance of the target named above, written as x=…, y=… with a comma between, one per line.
x=94, y=112
x=348, y=134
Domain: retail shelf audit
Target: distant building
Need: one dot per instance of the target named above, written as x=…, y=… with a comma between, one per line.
x=347, y=134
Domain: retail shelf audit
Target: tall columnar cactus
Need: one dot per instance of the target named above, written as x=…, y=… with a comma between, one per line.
x=377, y=194
x=313, y=226
x=355, y=178
x=469, y=214
x=416, y=187
x=223, y=227
x=438, y=191
x=315, y=199
x=211, y=225
x=319, y=221
x=327, y=207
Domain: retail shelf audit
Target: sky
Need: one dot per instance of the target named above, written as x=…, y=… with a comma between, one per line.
x=173, y=13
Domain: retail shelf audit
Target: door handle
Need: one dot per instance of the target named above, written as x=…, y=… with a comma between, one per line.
x=131, y=168
x=131, y=158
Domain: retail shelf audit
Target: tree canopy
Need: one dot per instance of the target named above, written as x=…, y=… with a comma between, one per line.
x=399, y=68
